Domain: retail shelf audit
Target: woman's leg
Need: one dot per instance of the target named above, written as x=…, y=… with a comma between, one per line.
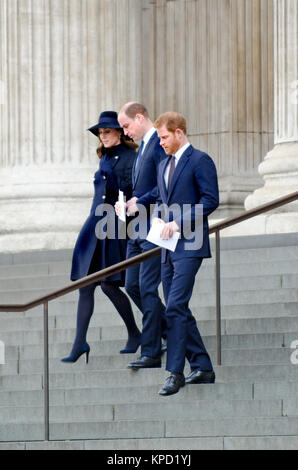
x=84, y=314
x=123, y=306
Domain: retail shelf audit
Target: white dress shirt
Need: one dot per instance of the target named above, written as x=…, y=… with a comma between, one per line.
x=178, y=155
x=147, y=137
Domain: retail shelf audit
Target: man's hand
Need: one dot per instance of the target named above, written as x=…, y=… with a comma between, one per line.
x=117, y=207
x=131, y=206
x=156, y=220
x=168, y=230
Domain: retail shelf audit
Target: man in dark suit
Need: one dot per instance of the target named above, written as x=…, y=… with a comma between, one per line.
x=142, y=281
x=187, y=179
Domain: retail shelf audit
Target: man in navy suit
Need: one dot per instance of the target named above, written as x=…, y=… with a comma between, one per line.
x=142, y=281
x=186, y=179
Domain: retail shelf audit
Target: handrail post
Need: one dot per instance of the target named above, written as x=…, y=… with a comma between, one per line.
x=218, y=300
x=46, y=370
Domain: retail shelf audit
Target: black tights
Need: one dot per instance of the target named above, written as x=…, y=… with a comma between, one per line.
x=85, y=311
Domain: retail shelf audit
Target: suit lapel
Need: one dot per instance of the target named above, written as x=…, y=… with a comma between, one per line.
x=181, y=164
x=147, y=149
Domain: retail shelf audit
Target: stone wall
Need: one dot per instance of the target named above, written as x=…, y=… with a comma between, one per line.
x=64, y=61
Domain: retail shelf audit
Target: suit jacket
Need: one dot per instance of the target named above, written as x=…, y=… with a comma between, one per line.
x=146, y=178
x=194, y=183
x=145, y=182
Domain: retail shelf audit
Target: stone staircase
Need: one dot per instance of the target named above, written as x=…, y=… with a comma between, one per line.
x=103, y=405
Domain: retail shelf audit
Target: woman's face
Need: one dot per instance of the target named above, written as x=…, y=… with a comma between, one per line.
x=109, y=137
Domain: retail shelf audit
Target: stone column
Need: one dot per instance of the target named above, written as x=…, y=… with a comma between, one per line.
x=62, y=62
x=280, y=166
x=213, y=63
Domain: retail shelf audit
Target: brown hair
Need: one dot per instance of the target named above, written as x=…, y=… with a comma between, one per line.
x=134, y=108
x=172, y=121
x=127, y=141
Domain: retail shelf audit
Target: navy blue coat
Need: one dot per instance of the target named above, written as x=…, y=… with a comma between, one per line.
x=90, y=253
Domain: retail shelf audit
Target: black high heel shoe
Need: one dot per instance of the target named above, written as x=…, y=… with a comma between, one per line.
x=74, y=357
x=132, y=345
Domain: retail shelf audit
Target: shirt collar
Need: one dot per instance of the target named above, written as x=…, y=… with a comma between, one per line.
x=148, y=136
x=180, y=152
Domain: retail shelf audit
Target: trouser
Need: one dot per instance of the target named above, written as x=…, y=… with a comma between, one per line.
x=141, y=284
x=183, y=337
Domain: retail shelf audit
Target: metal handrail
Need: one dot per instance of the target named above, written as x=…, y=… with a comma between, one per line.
x=215, y=228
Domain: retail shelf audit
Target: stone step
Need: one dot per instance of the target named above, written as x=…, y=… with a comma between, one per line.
x=22, y=359
x=259, y=296
x=268, y=443
x=278, y=324
x=19, y=287
x=35, y=257
x=283, y=426
x=110, y=347
x=254, y=389
x=84, y=430
x=202, y=409
x=58, y=414
x=258, y=443
x=34, y=270
x=233, y=326
x=259, y=325
x=250, y=255
x=131, y=429
x=129, y=394
x=61, y=270
x=278, y=244
x=21, y=328
x=100, y=359
x=38, y=281
x=70, y=378
x=203, y=284
x=205, y=443
x=62, y=314
x=262, y=296
x=119, y=361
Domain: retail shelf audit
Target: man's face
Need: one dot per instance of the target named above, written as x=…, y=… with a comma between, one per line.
x=169, y=141
x=132, y=127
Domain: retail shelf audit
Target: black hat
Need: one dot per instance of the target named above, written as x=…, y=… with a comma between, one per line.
x=107, y=120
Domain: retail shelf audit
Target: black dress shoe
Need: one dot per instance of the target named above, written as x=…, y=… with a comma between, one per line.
x=173, y=384
x=201, y=377
x=145, y=362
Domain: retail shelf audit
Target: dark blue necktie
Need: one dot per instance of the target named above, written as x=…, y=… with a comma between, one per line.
x=138, y=159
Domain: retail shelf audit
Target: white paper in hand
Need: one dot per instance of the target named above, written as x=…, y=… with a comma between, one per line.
x=122, y=204
x=154, y=237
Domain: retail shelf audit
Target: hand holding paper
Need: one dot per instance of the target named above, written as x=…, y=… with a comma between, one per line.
x=121, y=207
x=160, y=230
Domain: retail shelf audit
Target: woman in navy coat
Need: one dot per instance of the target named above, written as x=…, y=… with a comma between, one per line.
x=93, y=252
